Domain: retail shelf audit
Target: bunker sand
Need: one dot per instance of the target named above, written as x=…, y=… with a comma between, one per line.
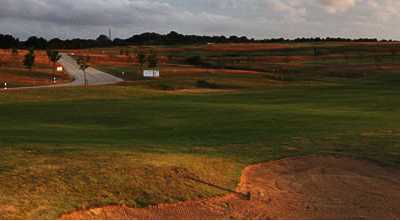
x=294, y=188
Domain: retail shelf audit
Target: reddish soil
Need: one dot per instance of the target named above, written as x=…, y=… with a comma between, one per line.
x=40, y=57
x=294, y=188
x=12, y=70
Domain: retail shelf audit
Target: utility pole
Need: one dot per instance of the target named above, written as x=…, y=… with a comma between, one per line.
x=109, y=34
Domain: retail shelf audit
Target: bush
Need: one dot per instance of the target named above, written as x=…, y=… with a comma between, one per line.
x=199, y=61
x=166, y=86
x=195, y=60
x=214, y=64
x=206, y=84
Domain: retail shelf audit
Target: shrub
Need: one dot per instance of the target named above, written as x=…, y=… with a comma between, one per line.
x=166, y=86
x=206, y=84
x=195, y=60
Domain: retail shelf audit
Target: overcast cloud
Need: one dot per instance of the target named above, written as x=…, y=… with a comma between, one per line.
x=254, y=18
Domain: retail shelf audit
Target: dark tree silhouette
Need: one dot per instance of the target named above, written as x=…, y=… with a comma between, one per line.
x=29, y=59
x=172, y=38
x=35, y=42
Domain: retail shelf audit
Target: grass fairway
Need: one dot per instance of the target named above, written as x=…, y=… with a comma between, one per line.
x=137, y=144
x=72, y=148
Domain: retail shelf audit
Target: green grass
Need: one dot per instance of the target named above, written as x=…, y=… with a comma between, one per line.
x=128, y=72
x=77, y=148
x=70, y=148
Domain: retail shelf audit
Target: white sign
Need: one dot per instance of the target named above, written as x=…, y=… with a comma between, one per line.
x=59, y=68
x=151, y=73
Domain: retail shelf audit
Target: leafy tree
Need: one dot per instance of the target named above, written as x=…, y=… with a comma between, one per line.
x=14, y=51
x=54, y=57
x=8, y=41
x=1, y=60
x=29, y=59
x=123, y=52
x=153, y=59
x=14, y=54
x=195, y=60
x=104, y=41
x=35, y=42
x=83, y=63
x=56, y=43
x=316, y=52
x=141, y=57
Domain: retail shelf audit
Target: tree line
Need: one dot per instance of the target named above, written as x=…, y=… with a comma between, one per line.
x=172, y=38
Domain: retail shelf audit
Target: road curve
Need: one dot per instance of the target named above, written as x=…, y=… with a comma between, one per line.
x=94, y=76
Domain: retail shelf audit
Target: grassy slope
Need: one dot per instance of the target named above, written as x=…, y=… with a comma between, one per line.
x=81, y=148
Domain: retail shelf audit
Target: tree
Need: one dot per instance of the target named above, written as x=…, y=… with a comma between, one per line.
x=48, y=52
x=316, y=52
x=29, y=59
x=8, y=41
x=141, y=56
x=83, y=63
x=35, y=42
x=378, y=61
x=14, y=51
x=153, y=60
x=104, y=41
x=14, y=54
x=394, y=53
x=54, y=57
x=56, y=43
x=1, y=60
x=196, y=60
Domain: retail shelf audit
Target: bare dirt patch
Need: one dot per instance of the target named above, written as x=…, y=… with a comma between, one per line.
x=7, y=209
x=295, y=188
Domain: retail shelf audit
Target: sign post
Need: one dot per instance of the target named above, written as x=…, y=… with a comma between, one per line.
x=151, y=73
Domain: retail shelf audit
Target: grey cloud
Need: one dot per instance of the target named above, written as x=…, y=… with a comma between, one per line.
x=334, y=6
x=255, y=18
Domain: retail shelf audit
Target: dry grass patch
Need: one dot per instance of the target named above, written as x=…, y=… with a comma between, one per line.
x=49, y=183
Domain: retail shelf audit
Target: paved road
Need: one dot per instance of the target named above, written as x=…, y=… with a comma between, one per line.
x=94, y=76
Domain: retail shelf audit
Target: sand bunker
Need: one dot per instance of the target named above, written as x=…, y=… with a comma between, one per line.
x=294, y=188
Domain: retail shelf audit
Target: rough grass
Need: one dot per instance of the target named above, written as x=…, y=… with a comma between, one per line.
x=45, y=183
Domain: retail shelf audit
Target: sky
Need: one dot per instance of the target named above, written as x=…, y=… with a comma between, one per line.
x=253, y=18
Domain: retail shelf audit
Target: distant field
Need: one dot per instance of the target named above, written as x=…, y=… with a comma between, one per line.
x=133, y=144
x=291, y=61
